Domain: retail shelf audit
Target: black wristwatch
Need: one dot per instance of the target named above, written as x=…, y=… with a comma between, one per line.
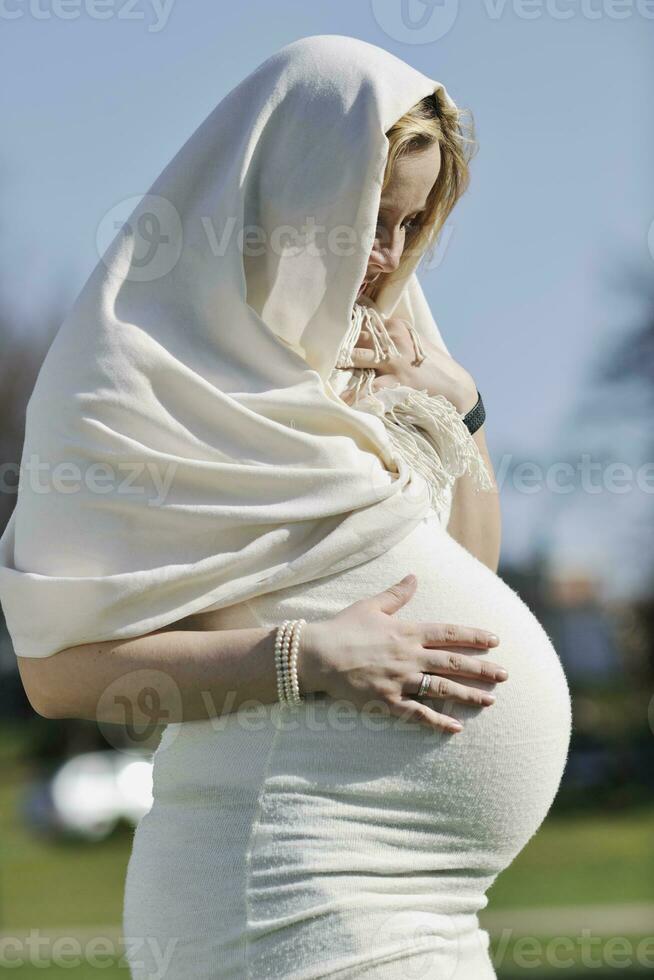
x=476, y=416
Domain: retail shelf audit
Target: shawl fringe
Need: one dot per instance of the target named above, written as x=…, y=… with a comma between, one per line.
x=426, y=431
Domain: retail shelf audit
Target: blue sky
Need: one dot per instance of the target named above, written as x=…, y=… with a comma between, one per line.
x=525, y=291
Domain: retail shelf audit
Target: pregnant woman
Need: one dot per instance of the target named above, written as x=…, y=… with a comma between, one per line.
x=263, y=428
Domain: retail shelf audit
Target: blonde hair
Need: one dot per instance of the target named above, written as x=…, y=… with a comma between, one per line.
x=430, y=121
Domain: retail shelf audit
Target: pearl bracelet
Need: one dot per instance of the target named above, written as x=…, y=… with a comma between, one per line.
x=287, y=646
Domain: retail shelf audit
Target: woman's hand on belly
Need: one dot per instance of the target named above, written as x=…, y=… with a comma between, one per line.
x=364, y=654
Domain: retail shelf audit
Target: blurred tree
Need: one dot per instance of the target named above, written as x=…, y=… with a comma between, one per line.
x=630, y=363
x=632, y=356
x=23, y=344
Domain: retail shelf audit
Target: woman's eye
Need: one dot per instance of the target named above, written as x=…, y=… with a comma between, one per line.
x=412, y=225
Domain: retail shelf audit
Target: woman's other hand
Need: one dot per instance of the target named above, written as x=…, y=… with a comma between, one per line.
x=438, y=374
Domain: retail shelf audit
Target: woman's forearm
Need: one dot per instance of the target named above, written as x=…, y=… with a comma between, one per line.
x=166, y=676
x=475, y=517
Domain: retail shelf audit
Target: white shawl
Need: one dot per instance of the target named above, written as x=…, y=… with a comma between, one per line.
x=185, y=448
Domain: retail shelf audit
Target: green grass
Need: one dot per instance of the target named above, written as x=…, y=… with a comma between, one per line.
x=58, y=883
x=582, y=860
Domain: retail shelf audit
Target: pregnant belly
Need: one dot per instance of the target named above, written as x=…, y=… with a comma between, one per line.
x=363, y=793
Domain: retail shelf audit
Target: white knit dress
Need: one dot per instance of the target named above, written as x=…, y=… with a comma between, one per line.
x=318, y=841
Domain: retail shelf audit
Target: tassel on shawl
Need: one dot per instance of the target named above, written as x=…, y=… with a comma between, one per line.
x=426, y=431
x=429, y=433
x=383, y=344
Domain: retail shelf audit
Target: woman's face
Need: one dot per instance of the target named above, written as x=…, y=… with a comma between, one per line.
x=399, y=210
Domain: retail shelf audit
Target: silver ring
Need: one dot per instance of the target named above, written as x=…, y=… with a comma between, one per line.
x=425, y=681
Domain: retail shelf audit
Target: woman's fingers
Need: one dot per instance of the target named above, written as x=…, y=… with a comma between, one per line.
x=443, y=687
x=384, y=381
x=450, y=634
x=365, y=357
x=436, y=636
x=411, y=710
x=448, y=662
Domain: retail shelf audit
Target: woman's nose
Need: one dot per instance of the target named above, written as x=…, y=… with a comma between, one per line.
x=387, y=251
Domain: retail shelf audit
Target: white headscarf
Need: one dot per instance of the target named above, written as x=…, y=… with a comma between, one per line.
x=185, y=448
